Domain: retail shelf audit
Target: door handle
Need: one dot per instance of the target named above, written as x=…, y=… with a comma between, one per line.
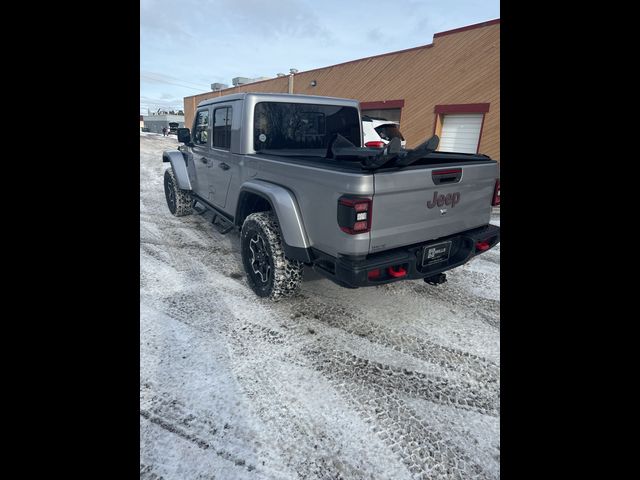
x=204, y=160
x=224, y=166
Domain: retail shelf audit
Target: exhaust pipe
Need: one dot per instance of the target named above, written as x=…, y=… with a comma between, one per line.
x=436, y=279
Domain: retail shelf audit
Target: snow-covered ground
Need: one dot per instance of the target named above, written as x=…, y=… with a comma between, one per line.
x=400, y=381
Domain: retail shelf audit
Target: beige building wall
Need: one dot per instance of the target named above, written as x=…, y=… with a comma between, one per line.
x=461, y=66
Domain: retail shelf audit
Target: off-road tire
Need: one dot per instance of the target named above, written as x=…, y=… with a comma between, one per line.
x=178, y=200
x=261, y=233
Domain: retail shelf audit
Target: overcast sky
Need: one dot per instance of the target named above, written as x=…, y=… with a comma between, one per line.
x=186, y=45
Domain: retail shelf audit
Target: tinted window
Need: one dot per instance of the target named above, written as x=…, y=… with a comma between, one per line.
x=298, y=126
x=222, y=127
x=389, y=132
x=201, y=132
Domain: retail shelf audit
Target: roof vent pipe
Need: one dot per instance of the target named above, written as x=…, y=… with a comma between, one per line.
x=292, y=72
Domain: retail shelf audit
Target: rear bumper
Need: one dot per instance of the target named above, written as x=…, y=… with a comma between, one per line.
x=353, y=272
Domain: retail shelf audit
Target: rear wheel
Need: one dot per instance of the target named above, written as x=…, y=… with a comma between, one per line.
x=269, y=273
x=178, y=201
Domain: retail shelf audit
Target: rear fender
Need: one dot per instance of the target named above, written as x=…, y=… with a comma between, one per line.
x=285, y=206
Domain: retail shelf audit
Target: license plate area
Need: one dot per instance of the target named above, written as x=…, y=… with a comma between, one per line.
x=436, y=253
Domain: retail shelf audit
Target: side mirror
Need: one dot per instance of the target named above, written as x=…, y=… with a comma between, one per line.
x=184, y=136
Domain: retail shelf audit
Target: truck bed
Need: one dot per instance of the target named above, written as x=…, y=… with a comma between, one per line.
x=401, y=196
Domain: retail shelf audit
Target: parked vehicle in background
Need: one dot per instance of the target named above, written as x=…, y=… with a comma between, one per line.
x=378, y=132
x=290, y=173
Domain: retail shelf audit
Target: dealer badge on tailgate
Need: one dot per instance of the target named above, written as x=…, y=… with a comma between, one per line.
x=436, y=253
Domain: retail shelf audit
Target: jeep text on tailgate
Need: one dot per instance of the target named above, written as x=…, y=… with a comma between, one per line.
x=290, y=172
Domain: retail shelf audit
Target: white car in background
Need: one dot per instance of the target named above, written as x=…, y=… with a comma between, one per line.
x=378, y=132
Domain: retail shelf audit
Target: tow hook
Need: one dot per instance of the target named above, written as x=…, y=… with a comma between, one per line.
x=436, y=279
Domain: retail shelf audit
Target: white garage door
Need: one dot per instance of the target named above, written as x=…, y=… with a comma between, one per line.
x=461, y=133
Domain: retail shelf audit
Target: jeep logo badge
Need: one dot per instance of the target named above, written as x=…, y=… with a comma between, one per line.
x=440, y=200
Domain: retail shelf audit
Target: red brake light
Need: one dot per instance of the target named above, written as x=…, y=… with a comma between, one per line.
x=360, y=226
x=496, y=194
x=354, y=214
x=375, y=144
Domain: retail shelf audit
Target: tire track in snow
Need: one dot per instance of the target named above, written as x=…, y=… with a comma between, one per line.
x=349, y=374
x=487, y=310
x=318, y=446
x=440, y=390
x=283, y=420
x=423, y=449
x=183, y=427
x=147, y=473
x=354, y=322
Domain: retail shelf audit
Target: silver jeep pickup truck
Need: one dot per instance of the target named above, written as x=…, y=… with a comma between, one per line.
x=290, y=172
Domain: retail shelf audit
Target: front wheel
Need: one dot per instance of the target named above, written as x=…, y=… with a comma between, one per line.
x=178, y=200
x=269, y=273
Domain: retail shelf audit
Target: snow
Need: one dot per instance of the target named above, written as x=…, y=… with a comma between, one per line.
x=392, y=382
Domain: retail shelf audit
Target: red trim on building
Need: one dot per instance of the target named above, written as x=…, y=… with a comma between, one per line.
x=484, y=115
x=463, y=108
x=381, y=105
x=468, y=27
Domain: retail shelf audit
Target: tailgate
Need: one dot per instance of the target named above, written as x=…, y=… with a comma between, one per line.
x=411, y=206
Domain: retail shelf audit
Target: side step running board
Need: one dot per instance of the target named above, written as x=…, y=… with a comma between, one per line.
x=200, y=210
x=222, y=224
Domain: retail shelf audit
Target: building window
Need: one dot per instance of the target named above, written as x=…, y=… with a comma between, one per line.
x=222, y=127
x=201, y=130
x=460, y=126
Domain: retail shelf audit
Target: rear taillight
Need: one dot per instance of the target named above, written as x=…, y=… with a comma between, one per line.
x=375, y=144
x=496, y=194
x=354, y=215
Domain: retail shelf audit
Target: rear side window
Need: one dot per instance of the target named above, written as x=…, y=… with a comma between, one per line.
x=201, y=131
x=389, y=132
x=279, y=125
x=222, y=127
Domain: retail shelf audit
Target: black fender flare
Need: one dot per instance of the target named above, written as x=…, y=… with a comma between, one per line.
x=285, y=207
x=177, y=161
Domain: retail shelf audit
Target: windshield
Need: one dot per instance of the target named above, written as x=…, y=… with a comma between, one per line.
x=300, y=126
